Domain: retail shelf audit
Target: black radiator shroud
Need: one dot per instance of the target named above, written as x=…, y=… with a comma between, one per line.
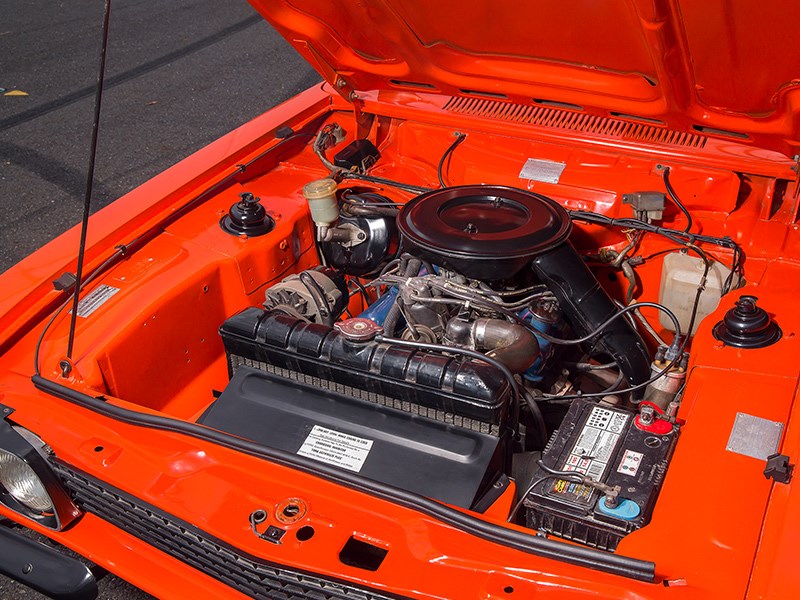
x=421, y=421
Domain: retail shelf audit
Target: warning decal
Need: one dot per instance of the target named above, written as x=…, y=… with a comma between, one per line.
x=630, y=463
x=336, y=448
x=592, y=452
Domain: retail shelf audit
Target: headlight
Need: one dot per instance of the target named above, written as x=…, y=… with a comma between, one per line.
x=28, y=484
x=22, y=483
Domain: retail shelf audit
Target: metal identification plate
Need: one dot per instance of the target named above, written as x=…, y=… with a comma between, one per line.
x=546, y=171
x=98, y=296
x=754, y=436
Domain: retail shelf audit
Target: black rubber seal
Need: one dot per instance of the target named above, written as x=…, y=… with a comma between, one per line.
x=631, y=568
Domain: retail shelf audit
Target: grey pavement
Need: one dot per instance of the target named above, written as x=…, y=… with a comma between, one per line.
x=179, y=75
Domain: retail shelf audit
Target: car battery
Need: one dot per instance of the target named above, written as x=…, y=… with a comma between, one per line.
x=611, y=446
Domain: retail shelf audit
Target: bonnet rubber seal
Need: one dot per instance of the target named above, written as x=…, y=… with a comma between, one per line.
x=631, y=568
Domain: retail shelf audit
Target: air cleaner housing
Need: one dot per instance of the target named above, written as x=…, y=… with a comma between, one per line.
x=481, y=231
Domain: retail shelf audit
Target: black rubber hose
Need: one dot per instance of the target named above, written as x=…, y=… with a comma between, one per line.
x=409, y=269
x=460, y=137
x=587, y=305
x=673, y=195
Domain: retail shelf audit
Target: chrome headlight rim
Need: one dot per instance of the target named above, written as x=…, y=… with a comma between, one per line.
x=27, y=447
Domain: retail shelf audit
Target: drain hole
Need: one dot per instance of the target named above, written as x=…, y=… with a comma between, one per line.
x=508, y=589
x=305, y=533
x=554, y=104
x=484, y=94
x=360, y=554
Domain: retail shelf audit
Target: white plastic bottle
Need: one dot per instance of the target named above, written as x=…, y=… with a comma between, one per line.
x=680, y=276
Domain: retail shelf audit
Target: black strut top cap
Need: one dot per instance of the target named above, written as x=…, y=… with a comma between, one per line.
x=747, y=325
x=247, y=217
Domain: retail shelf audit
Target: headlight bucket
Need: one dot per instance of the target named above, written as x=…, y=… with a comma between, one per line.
x=28, y=485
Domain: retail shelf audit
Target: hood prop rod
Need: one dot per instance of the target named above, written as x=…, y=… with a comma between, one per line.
x=66, y=366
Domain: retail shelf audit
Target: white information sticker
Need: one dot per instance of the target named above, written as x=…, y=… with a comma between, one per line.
x=336, y=448
x=591, y=454
x=546, y=171
x=630, y=463
x=96, y=298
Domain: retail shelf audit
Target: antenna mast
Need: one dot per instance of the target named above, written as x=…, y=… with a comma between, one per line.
x=87, y=201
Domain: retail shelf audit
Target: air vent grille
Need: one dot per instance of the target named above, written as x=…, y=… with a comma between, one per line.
x=543, y=116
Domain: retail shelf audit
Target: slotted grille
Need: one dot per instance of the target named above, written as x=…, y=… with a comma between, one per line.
x=249, y=575
x=545, y=116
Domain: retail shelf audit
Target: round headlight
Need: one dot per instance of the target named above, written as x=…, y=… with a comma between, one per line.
x=23, y=484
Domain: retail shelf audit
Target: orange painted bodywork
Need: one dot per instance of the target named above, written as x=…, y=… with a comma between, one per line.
x=729, y=69
x=720, y=529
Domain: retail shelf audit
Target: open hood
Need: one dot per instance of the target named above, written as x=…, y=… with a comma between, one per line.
x=720, y=67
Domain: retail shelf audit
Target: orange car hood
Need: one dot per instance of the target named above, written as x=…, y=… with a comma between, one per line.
x=722, y=67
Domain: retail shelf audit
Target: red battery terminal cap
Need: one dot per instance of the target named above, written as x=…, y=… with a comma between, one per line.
x=651, y=419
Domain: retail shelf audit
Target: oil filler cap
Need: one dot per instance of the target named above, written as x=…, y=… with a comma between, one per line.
x=747, y=325
x=247, y=217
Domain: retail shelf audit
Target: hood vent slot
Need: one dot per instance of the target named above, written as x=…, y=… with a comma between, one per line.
x=543, y=116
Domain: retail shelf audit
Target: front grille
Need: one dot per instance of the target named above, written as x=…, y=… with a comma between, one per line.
x=242, y=572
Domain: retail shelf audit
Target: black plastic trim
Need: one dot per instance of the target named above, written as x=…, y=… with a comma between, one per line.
x=44, y=569
x=631, y=568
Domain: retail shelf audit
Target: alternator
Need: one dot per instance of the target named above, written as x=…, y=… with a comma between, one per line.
x=318, y=296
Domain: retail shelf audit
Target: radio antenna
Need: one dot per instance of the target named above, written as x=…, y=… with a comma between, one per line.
x=87, y=200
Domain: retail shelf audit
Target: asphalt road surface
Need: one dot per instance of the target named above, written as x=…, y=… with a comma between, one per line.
x=179, y=75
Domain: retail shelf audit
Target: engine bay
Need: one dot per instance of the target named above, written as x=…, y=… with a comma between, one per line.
x=458, y=335
x=481, y=315
x=518, y=350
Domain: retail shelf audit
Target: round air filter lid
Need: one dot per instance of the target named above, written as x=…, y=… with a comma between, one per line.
x=482, y=231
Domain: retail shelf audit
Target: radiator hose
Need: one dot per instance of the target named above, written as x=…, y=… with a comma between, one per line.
x=511, y=344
